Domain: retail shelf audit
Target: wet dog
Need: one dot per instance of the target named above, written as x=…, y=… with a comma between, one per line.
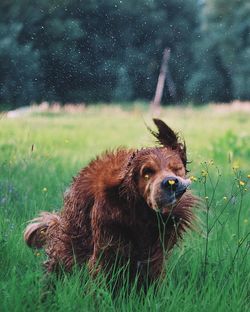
x=128, y=207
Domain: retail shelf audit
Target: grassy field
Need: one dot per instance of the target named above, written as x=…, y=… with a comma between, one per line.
x=209, y=271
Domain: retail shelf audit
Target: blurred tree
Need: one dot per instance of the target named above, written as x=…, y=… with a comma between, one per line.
x=95, y=50
x=123, y=90
x=20, y=70
x=222, y=72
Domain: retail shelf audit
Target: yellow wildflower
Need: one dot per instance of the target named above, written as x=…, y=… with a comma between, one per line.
x=242, y=183
x=192, y=178
x=204, y=173
x=225, y=197
x=236, y=166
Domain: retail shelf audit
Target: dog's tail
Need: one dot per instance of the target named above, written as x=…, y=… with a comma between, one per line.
x=36, y=232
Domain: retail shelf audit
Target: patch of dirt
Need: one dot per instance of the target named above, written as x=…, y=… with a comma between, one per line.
x=54, y=107
x=235, y=106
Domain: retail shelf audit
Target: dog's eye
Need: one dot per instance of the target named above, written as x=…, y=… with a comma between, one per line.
x=147, y=173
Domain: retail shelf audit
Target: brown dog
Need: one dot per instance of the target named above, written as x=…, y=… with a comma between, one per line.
x=126, y=207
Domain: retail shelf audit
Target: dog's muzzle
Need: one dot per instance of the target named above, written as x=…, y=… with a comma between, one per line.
x=173, y=188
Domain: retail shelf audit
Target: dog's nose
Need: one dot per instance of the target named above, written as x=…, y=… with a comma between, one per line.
x=170, y=183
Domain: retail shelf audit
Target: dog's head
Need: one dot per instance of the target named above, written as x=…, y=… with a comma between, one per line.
x=159, y=173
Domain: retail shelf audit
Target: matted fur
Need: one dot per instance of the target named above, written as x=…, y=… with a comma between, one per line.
x=105, y=217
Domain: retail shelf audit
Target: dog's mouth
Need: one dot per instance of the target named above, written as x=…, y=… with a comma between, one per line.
x=169, y=200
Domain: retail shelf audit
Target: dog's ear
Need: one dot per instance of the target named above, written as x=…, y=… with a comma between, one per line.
x=165, y=135
x=168, y=138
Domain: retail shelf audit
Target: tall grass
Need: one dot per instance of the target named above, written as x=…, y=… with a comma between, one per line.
x=209, y=271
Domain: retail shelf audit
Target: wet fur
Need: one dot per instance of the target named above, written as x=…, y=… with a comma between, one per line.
x=104, y=217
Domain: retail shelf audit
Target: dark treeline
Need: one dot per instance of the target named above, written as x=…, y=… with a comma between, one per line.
x=109, y=50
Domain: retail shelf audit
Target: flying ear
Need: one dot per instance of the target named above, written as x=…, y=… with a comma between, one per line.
x=165, y=135
x=168, y=138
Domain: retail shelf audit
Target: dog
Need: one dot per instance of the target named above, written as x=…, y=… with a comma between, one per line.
x=128, y=207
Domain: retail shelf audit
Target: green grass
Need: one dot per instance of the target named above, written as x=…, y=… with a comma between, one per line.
x=209, y=271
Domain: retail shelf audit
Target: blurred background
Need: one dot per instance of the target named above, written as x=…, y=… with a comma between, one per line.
x=111, y=50
x=68, y=55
